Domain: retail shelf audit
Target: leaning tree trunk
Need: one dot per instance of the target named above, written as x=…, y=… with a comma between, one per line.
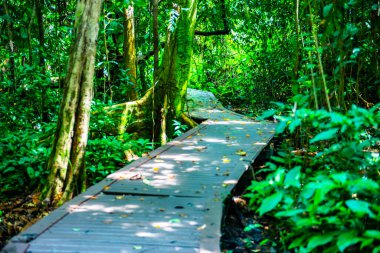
x=165, y=100
x=66, y=163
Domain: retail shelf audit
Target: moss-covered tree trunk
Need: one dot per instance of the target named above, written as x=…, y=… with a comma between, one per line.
x=129, y=47
x=175, y=68
x=66, y=163
x=165, y=100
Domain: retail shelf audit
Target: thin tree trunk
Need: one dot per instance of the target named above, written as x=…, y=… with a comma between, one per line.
x=130, y=49
x=11, y=45
x=41, y=38
x=66, y=163
x=155, y=38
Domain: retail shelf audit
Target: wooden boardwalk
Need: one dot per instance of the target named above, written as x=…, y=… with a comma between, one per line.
x=169, y=201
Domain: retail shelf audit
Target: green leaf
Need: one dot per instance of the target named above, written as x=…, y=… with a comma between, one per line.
x=252, y=227
x=297, y=242
x=360, y=207
x=292, y=178
x=289, y=213
x=325, y=135
x=267, y=114
x=319, y=240
x=327, y=9
x=270, y=202
x=372, y=234
x=31, y=172
x=347, y=239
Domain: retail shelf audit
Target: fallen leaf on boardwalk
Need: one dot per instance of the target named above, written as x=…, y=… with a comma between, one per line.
x=171, y=176
x=226, y=160
x=137, y=247
x=226, y=174
x=146, y=181
x=137, y=176
x=226, y=118
x=162, y=209
x=156, y=169
x=241, y=152
x=175, y=221
x=202, y=227
x=120, y=197
x=272, y=131
x=259, y=132
x=217, y=169
x=183, y=215
x=141, y=199
x=247, y=135
x=201, y=148
x=106, y=188
x=124, y=215
x=159, y=161
x=157, y=226
x=108, y=221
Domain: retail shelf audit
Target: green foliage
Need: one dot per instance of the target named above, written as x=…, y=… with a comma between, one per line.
x=107, y=154
x=179, y=128
x=327, y=195
x=24, y=155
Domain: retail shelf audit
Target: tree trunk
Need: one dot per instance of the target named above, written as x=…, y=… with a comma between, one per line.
x=175, y=70
x=130, y=50
x=66, y=163
x=155, y=38
x=11, y=45
x=41, y=52
x=165, y=100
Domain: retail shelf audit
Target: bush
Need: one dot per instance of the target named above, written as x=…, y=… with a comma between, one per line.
x=324, y=197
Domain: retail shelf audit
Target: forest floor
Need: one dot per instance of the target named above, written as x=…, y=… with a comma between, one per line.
x=18, y=213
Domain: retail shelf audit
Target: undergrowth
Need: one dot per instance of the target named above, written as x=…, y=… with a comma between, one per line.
x=322, y=191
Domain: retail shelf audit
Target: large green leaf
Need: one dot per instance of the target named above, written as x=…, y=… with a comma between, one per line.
x=360, y=207
x=347, y=239
x=270, y=202
x=292, y=178
x=327, y=9
x=372, y=234
x=325, y=135
x=319, y=240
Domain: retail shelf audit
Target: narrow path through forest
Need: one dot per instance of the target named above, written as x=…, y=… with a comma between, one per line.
x=168, y=201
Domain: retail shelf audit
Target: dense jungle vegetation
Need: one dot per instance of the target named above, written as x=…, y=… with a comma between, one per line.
x=313, y=66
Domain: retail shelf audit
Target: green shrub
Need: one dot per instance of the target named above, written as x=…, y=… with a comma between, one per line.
x=324, y=197
x=24, y=155
x=106, y=154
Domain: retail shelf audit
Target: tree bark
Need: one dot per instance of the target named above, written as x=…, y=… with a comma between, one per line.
x=11, y=44
x=130, y=49
x=155, y=38
x=41, y=38
x=165, y=100
x=66, y=163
